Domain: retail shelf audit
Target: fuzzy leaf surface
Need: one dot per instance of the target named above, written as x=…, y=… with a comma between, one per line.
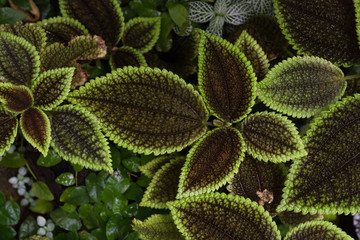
x=15, y=98
x=226, y=79
x=221, y=216
x=146, y=110
x=211, y=162
x=126, y=56
x=292, y=218
x=302, y=86
x=8, y=130
x=154, y=165
x=327, y=180
x=77, y=138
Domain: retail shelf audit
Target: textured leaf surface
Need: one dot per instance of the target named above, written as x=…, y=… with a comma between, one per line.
x=157, y=227
x=302, y=86
x=164, y=185
x=200, y=12
x=271, y=137
x=212, y=162
x=76, y=137
x=103, y=18
x=8, y=130
x=52, y=87
x=154, y=165
x=322, y=28
x=126, y=56
x=19, y=60
x=35, y=126
x=317, y=230
x=226, y=79
x=327, y=179
x=291, y=218
x=221, y=216
x=146, y=110
x=15, y=98
x=142, y=33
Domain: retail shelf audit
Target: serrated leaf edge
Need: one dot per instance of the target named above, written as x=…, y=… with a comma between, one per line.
x=63, y=19
x=138, y=55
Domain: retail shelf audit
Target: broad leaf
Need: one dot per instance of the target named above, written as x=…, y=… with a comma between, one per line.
x=146, y=110
x=157, y=227
x=52, y=87
x=325, y=29
x=142, y=33
x=317, y=230
x=8, y=130
x=262, y=6
x=9, y=213
x=35, y=126
x=77, y=138
x=291, y=218
x=19, y=60
x=42, y=191
x=164, y=185
x=271, y=137
x=211, y=162
x=221, y=216
x=103, y=18
x=302, y=86
x=153, y=166
x=327, y=179
x=226, y=79
x=126, y=56
x=15, y=98
x=353, y=86
x=200, y=12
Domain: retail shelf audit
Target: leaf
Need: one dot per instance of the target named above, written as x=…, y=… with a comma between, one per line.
x=51, y=87
x=153, y=166
x=42, y=206
x=271, y=137
x=62, y=29
x=117, y=227
x=178, y=13
x=35, y=126
x=22, y=4
x=226, y=79
x=15, y=98
x=77, y=138
x=200, y=12
x=317, y=230
x=66, y=220
x=157, y=227
x=41, y=190
x=12, y=160
x=126, y=56
x=95, y=185
x=103, y=18
x=211, y=162
x=294, y=219
x=7, y=232
x=86, y=213
x=65, y=179
x=262, y=6
x=78, y=196
x=9, y=213
x=302, y=86
x=164, y=185
x=333, y=37
x=326, y=180
x=51, y=159
x=8, y=131
x=238, y=13
x=134, y=192
x=28, y=227
x=132, y=163
x=142, y=33
x=145, y=110
x=221, y=216
x=19, y=60
x=10, y=16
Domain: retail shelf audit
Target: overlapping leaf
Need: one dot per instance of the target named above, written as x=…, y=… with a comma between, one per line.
x=146, y=110
x=325, y=29
x=142, y=33
x=302, y=86
x=353, y=86
x=226, y=79
x=15, y=98
x=327, y=179
x=126, y=56
x=76, y=137
x=8, y=130
x=19, y=60
x=103, y=18
x=154, y=165
x=271, y=137
x=221, y=216
x=211, y=162
x=292, y=218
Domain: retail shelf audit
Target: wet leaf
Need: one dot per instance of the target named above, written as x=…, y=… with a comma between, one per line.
x=66, y=220
x=12, y=160
x=51, y=159
x=42, y=191
x=65, y=179
x=28, y=227
x=9, y=213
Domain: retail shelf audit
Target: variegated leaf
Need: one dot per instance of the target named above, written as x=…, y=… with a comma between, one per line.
x=200, y=12
x=226, y=79
x=211, y=162
x=221, y=216
x=126, y=56
x=77, y=138
x=15, y=98
x=293, y=219
x=8, y=130
x=154, y=165
x=302, y=86
x=327, y=179
x=146, y=110
x=238, y=13
x=262, y=6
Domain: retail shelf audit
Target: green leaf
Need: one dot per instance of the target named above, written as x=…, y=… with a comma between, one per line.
x=302, y=86
x=77, y=138
x=35, y=126
x=219, y=216
x=41, y=190
x=51, y=159
x=2, y=199
x=10, y=16
x=86, y=213
x=42, y=206
x=8, y=131
x=126, y=56
x=294, y=219
x=66, y=220
x=78, y=196
x=65, y=179
x=306, y=25
x=19, y=60
x=164, y=185
x=134, y=192
x=153, y=166
x=132, y=163
x=164, y=114
x=117, y=227
x=95, y=185
x=12, y=160
x=178, y=13
x=226, y=79
x=15, y=98
x=103, y=18
x=271, y=137
x=317, y=230
x=23, y=4
x=7, y=232
x=211, y=162
x=28, y=227
x=9, y=213
x=157, y=227
x=142, y=33
x=326, y=180
x=51, y=87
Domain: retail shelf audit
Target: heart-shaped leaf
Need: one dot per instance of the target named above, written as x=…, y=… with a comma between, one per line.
x=42, y=191
x=126, y=56
x=153, y=166
x=146, y=110
x=15, y=98
x=327, y=180
x=8, y=130
x=302, y=86
x=211, y=162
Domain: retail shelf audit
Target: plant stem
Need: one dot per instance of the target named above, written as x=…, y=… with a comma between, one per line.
x=26, y=163
x=76, y=178
x=32, y=173
x=349, y=77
